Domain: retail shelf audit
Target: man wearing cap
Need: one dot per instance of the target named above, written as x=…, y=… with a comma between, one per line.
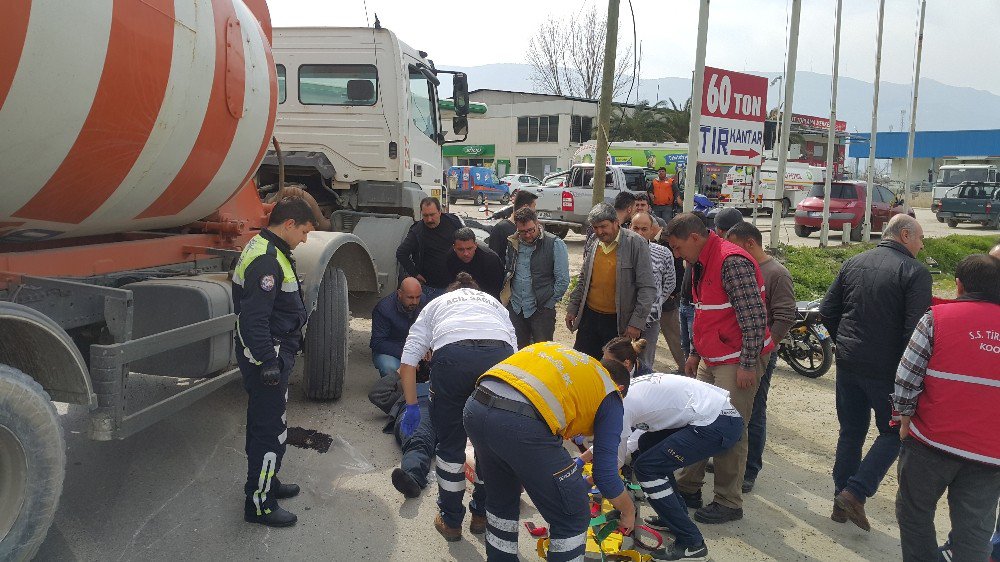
x=726, y=219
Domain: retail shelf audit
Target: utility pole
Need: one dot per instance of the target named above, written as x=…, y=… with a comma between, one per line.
x=866, y=233
x=831, y=135
x=913, y=110
x=786, y=123
x=697, y=87
x=604, y=106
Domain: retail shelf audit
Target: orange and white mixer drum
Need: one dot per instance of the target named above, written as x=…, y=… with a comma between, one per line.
x=121, y=115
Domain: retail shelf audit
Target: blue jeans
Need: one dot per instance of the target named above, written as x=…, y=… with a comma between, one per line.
x=757, y=428
x=665, y=212
x=385, y=364
x=662, y=452
x=455, y=369
x=685, y=313
x=418, y=448
x=537, y=460
x=857, y=397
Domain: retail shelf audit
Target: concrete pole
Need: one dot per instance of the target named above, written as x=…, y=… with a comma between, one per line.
x=866, y=233
x=907, y=196
x=697, y=85
x=604, y=106
x=786, y=123
x=831, y=136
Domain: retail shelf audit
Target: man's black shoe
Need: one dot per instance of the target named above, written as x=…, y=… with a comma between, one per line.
x=657, y=522
x=748, y=486
x=405, y=483
x=674, y=551
x=276, y=517
x=285, y=491
x=692, y=500
x=717, y=513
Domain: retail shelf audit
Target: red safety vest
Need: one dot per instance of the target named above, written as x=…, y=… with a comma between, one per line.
x=717, y=335
x=956, y=412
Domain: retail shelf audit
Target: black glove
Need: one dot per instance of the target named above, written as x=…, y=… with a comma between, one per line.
x=270, y=372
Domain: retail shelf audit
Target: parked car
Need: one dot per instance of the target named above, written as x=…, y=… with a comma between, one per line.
x=977, y=202
x=517, y=181
x=557, y=179
x=847, y=204
x=476, y=183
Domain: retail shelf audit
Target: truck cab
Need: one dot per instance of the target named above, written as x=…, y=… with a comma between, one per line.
x=357, y=119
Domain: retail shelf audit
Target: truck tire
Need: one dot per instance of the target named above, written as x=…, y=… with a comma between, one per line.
x=558, y=230
x=952, y=223
x=479, y=199
x=32, y=464
x=326, y=339
x=802, y=231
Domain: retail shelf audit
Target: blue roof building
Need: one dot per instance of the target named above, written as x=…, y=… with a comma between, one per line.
x=929, y=148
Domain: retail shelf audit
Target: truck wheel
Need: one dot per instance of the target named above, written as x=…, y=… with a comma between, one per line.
x=560, y=231
x=32, y=464
x=786, y=206
x=479, y=199
x=940, y=219
x=505, y=199
x=801, y=231
x=952, y=223
x=326, y=339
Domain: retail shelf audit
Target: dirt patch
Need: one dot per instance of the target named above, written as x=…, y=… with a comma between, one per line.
x=309, y=439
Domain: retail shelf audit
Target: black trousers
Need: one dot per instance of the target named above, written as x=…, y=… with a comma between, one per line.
x=973, y=489
x=539, y=327
x=595, y=331
x=266, y=429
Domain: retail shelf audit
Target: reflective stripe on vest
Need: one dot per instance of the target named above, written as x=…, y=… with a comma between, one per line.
x=256, y=247
x=718, y=338
x=564, y=385
x=954, y=411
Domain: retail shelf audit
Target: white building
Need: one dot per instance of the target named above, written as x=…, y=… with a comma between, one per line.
x=524, y=133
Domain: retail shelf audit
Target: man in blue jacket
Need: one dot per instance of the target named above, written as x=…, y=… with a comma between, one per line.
x=391, y=321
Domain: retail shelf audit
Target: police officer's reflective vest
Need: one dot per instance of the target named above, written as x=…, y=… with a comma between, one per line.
x=962, y=383
x=564, y=385
x=256, y=247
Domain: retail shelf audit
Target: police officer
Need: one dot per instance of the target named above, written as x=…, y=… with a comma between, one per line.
x=271, y=314
x=517, y=418
x=468, y=331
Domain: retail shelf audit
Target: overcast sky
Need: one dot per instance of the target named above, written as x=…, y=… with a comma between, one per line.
x=960, y=46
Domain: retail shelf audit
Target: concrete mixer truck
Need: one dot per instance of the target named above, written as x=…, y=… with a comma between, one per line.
x=131, y=133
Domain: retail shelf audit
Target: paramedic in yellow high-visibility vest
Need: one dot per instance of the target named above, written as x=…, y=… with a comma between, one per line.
x=517, y=418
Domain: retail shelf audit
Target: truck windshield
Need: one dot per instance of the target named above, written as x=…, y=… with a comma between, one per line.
x=837, y=191
x=421, y=94
x=338, y=84
x=957, y=176
x=635, y=180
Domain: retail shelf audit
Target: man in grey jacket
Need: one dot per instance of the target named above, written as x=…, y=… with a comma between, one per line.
x=616, y=288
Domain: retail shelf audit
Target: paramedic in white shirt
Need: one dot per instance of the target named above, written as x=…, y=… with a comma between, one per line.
x=468, y=332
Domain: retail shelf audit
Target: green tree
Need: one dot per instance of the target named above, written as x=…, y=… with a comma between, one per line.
x=651, y=123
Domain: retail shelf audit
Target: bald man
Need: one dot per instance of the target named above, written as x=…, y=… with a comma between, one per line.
x=665, y=277
x=391, y=321
x=871, y=311
x=995, y=252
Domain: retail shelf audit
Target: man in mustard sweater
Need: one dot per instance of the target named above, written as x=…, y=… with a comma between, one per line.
x=616, y=288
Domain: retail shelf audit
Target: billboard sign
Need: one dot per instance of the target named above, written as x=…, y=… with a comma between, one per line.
x=733, y=110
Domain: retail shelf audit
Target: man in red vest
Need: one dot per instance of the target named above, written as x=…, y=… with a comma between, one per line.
x=947, y=388
x=731, y=345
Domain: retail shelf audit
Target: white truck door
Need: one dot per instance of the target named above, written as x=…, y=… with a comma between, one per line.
x=421, y=142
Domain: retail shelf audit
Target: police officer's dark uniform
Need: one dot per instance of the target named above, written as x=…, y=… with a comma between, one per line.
x=267, y=299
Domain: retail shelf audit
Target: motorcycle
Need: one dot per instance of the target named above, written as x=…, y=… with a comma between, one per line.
x=807, y=348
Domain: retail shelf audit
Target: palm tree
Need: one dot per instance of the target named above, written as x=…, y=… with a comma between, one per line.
x=651, y=123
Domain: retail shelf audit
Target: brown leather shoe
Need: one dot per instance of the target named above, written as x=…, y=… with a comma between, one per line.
x=450, y=534
x=838, y=515
x=478, y=524
x=853, y=508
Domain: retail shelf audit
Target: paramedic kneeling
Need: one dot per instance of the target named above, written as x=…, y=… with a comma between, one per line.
x=517, y=419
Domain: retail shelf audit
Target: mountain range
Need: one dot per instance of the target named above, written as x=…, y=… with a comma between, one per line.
x=942, y=107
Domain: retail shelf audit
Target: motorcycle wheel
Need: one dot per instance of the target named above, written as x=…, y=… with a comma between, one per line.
x=813, y=363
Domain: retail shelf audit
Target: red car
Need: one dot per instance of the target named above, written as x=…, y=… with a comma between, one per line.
x=847, y=205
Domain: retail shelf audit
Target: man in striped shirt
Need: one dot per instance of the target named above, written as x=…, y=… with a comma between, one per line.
x=665, y=278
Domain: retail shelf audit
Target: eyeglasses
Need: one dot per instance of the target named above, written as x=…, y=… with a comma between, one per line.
x=526, y=231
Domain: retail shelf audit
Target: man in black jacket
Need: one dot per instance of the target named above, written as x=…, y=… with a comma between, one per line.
x=425, y=250
x=871, y=310
x=477, y=260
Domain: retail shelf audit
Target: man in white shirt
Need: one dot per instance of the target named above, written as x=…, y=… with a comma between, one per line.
x=681, y=421
x=468, y=332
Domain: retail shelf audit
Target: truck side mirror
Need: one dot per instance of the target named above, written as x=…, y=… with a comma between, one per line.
x=460, y=124
x=460, y=95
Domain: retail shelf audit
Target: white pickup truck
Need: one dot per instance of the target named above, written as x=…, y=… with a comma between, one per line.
x=565, y=208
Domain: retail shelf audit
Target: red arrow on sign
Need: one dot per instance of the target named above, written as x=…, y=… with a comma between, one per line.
x=751, y=153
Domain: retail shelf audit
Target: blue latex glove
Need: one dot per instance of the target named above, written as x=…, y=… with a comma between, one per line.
x=579, y=462
x=410, y=421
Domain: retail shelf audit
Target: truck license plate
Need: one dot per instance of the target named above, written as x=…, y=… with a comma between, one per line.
x=963, y=215
x=544, y=215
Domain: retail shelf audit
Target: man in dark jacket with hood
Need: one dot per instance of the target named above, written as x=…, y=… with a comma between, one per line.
x=871, y=310
x=425, y=250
